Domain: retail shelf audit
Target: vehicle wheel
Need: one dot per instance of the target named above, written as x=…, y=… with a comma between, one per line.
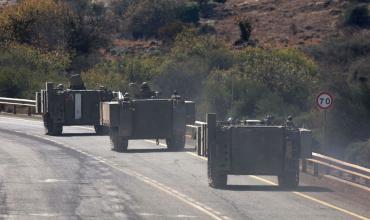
x=215, y=179
x=288, y=179
x=119, y=144
x=51, y=127
x=176, y=142
x=101, y=130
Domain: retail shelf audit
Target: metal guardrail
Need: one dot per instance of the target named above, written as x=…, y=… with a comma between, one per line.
x=320, y=164
x=17, y=104
x=317, y=165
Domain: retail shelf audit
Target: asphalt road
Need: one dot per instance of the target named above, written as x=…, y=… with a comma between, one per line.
x=77, y=176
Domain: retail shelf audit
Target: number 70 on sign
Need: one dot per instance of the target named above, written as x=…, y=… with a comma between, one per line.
x=324, y=100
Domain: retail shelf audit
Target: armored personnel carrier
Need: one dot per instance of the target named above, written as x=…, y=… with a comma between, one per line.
x=73, y=106
x=255, y=148
x=145, y=116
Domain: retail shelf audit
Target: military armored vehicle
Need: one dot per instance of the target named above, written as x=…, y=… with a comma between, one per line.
x=73, y=106
x=147, y=117
x=255, y=148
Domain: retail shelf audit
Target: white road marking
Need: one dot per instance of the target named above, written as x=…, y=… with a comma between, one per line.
x=44, y=214
x=186, y=199
x=52, y=181
x=299, y=194
x=167, y=216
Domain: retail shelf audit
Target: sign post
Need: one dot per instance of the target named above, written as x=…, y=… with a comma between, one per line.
x=324, y=101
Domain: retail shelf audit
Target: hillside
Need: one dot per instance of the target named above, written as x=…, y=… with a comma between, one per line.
x=282, y=22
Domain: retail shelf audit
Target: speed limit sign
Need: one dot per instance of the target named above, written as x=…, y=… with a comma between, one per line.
x=324, y=100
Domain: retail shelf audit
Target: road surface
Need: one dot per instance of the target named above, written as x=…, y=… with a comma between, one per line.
x=77, y=176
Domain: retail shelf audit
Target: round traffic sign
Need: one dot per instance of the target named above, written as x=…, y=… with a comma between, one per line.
x=324, y=100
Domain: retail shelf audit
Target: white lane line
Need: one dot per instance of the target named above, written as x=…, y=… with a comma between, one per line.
x=52, y=181
x=44, y=214
x=167, y=216
x=186, y=199
x=299, y=194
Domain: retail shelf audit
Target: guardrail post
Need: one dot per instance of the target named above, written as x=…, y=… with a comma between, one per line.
x=205, y=141
x=29, y=113
x=304, y=165
x=199, y=141
x=327, y=170
x=340, y=173
x=14, y=109
x=316, y=169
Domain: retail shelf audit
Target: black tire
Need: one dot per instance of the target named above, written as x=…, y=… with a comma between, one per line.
x=176, y=142
x=289, y=179
x=216, y=179
x=51, y=127
x=119, y=144
x=101, y=130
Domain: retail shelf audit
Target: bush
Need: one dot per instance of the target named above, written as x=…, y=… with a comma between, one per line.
x=24, y=70
x=245, y=27
x=190, y=60
x=170, y=31
x=120, y=6
x=357, y=15
x=119, y=73
x=188, y=13
x=75, y=27
x=339, y=53
x=205, y=7
x=43, y=24
x=359, y=153
x=145, y=18
x=278, y=82
x=287, y=72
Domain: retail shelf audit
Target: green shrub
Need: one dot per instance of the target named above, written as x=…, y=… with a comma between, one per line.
x=205, y=7
x=278, y=82
x=75, y=26
x=145, y=18
x=206, y=29
x=24, y=70
x=188, y=12
x=287, y=72
x=120, y=6
x=359, y=153
x=119, y=73
x=338, y=54
x=170, y=31
x=357, y=15
x=245, y=27
x=43, y=24
x=220, y=1
x=190, y=60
